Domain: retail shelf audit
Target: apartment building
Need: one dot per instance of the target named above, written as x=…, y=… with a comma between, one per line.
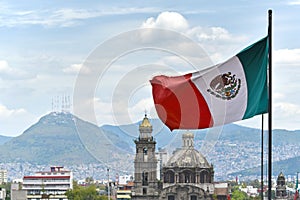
x=3, y=176
x=51, y=184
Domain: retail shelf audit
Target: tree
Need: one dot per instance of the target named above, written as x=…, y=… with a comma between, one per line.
x=89, y=180
x=238, y=195
x=84, y=193
x=7, y=187
x=214, y=197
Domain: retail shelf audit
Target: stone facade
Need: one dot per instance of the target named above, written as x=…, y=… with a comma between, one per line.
x=186, y=176
x=281, y=192
x=145, y=165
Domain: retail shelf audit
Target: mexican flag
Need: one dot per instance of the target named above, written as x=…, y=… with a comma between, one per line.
x=227, y=92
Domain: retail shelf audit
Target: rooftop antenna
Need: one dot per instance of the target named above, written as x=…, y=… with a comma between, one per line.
x=70, y=104
x=67, y=107
x=57, y=104
x=52, y=105
x=62, y=103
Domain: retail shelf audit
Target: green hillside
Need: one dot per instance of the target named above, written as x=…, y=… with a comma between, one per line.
x=57, y=138
x=4, y=139
x=288, y=166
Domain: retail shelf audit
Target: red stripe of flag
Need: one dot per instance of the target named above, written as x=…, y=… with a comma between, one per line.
x=179, y=103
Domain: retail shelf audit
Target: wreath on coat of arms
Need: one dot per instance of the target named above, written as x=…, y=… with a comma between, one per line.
x=225, y=86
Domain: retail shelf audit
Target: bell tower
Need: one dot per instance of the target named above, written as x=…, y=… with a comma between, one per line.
x=145, y=164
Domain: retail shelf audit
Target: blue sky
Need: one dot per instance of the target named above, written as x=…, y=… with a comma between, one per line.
x=45, y=44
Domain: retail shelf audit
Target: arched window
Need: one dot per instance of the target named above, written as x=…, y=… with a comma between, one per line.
x=145, y=150
x=169, y=177
x=204, y=177
x=181, y=178
x=187, y=176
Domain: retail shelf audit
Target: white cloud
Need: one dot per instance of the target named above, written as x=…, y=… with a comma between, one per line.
x=295, y=2
x=278, y=96
x=287, y=56
x=287, y=110
x=63, y=17
x=6, y=113
x=286, y=115
x=167, y=20
x=136, y=111
x=7, y=72
x=218, y=42
x=210, y=34
x=76, y=68
x=14, y=120
x=118, y=112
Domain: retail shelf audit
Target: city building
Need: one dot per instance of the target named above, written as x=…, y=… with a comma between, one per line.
x=123, y=195
x=51, y=184
x=186, y=175
x=145, y=164
x=250, y=191
x=16, y=192
x=281, y=192
x=3, y=176
x=2, y=193
x=124, y=179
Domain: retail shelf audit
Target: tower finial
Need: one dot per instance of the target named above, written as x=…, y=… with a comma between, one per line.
x=145, y=128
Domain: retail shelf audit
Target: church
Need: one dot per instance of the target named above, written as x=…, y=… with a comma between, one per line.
x=186, y=175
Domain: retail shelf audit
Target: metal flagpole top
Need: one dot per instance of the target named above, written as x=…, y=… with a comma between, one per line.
x=270, y=107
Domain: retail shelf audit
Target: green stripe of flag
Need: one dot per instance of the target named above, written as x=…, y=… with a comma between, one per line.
x=255, y=63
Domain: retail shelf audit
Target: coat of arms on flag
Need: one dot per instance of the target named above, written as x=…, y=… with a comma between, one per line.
x=225, y=86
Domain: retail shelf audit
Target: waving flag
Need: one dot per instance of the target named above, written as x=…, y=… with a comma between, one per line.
x=228, y=92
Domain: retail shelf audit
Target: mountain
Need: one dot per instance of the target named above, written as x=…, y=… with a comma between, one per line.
x=57, y=138
x=288, y=166
x=64, y=139
x=4, y=139
x=285, y=151
x=130, y=132
x=52, y=139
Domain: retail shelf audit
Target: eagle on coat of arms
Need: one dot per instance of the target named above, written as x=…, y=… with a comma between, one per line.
x=225, y=86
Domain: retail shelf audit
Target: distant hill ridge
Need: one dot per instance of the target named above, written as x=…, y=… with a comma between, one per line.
x=4, y=139
x=64, y=139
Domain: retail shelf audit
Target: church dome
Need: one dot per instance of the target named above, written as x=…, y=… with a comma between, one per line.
x=188, y=156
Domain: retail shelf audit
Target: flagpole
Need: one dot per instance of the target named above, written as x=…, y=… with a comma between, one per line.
x=270, y=108
x=262, y=157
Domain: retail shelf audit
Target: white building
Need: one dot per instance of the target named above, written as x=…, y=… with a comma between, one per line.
x=123, y=180
x=51, y=184
x=3, y=176
x=250, y=190
x=16, y=193
x=2, y=194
